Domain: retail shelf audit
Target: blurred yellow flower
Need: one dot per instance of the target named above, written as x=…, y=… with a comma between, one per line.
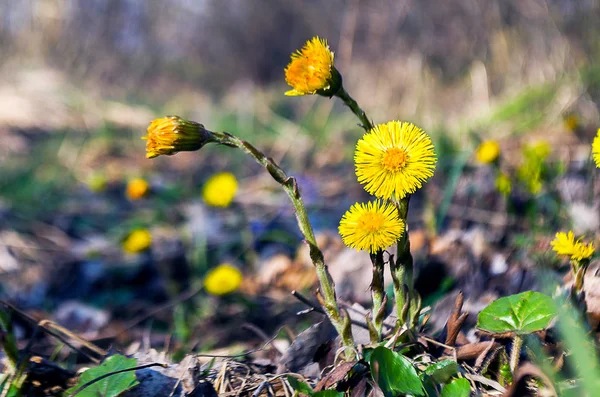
x=565, y=244
x=503, y=184
x=139, y=240
x=172, y=134
x=371, y=227
x=311, y=70
x=96, y=183
x=223, y=279
x=487, y=152
x=220, y=189
x=571, y=122
x=596, y=149
x=137, y=188
x=394, y=159
x=531, y=172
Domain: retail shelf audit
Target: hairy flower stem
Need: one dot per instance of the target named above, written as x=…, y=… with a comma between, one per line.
x=402, y=268
x=353, y=105
x=327, y=286
x=378, y=294
x=515, y=353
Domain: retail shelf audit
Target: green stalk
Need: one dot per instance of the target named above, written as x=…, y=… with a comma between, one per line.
x=402, y=268
x=7, y=339
x=327, y=286
x=353, y=105
x=378, y=294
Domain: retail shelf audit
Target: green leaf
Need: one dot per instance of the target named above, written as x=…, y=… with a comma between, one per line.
x=457, y=388
x=299, y=386
x=328, y=393
x=523, y=313
x=394, y=374
x=111, y=386
x=442, y=371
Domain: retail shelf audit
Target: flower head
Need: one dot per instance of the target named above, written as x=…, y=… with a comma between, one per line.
x=572, y=122
x=311, y=70
x=487, y=152
x=394, y=159
x=371, y=227
x=565, y=244
x=220, y=189
x=137, y=188
x=596, y=149
x=503, y=184
x=222, y=280
x=172, y=134
x=139, y=240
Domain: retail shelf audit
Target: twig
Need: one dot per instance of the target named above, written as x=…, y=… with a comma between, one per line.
x=317, y=308
x=485, y=381
x=98, y=379
x=456, y=320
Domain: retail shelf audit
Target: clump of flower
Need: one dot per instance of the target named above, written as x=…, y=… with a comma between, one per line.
x=394, y=159
x=487, y=152
x=311, y=70
x=223, y=279
x=503, y=184
x=565, y=244
x=172, y=134
x=96, y=182
x=371, y=227
x=571, y=122
x=596, y=149
x=220, y=189
x=137, y=188
x=138, y=241
x=531, y=171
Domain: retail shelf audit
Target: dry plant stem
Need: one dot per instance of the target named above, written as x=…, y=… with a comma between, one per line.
x=327, y=286
x=515, y=353
x=378, y=293
x=353, y=105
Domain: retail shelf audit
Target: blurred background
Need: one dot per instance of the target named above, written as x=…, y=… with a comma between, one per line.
x=81, y=80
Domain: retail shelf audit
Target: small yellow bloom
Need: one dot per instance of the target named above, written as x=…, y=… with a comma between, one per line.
x=596, y=149
x=394, y=159
x=487, y=152
x=139, y=240
x=311, y=70
x=137, y=188
x=223, y=279
x=565, y=244
x=220, y=189
x=172, y=134
x=97, y=183
x=371, y=227
x=503, y=184
x=571, y=122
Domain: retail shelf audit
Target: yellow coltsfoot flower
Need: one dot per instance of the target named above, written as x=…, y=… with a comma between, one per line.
x=137, y=188
x=220, y=189
x=565, y=244
x=223, y=279
x=172, y=134
x=394, y=159
x=371, y=227
x=503, y=184
x=139, y=240
x=311, y=70
x=596, y=149
x=487, y=152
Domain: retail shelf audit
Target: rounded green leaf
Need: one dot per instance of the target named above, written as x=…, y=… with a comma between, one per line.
x=394, y=373
x=522, y=313
x=457, y=388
